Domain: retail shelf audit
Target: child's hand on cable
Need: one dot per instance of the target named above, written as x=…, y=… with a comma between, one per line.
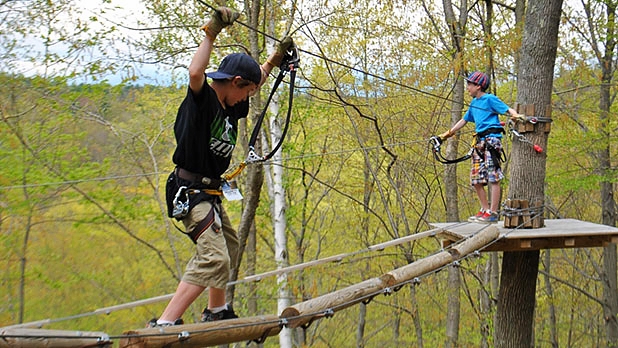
x=282, y=48
x=445, y=135
x=518, y=117
x=221, y=18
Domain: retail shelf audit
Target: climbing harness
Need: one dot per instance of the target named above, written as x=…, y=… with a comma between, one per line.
x=289, y=64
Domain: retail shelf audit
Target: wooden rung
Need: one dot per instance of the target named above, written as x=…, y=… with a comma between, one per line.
x=530, y=110
x=529, y=127
x=523, y=205
x=512, y=221
x=548, y=110
x=538, y=221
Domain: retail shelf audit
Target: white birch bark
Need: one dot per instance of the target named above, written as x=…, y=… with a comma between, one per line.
x=276, y=191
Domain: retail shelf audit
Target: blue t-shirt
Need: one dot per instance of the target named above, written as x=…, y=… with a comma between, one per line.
x=484, y=112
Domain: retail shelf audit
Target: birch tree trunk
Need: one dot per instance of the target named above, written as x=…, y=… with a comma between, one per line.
x=516, y=300
x=276, y=191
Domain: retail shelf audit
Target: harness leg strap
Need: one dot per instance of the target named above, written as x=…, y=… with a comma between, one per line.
x=202, y=225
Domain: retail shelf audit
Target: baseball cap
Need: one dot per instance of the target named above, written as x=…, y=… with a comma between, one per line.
x=478, y=78
x=238, y=64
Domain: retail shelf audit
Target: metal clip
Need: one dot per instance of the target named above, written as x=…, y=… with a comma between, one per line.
x=253, y=157
x=290, y=59
x=435, y=142
x=181, y=208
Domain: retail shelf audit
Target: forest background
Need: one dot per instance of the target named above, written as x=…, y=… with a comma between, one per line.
x=85, y=157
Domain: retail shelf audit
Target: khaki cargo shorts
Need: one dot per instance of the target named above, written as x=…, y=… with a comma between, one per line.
x=216, y=249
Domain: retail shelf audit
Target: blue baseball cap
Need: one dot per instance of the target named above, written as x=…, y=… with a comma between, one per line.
x=238, y=64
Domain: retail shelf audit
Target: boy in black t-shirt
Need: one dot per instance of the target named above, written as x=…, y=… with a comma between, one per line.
x=206, y=131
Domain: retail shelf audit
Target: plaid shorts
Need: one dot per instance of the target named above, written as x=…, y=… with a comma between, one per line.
x=483, y=170
x=216, y=249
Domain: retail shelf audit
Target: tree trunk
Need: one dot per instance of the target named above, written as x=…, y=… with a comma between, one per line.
x=486, y=296
x=276, y=191
x=457, y=32
x=360, y=328
x=252, y=288
x=549, y=291
x=362, y=315
x=610, y=286
x=453, y=309
x=254, y=174
x=610, y=295
x=516, y=300
x=416, y=318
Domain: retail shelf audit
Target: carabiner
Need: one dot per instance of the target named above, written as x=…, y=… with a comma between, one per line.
x=290, y=59
x=436, y=142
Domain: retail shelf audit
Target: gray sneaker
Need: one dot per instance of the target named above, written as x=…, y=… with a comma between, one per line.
x=153, y=323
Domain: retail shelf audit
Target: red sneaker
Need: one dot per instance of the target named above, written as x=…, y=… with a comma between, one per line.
x=476, y=217
x=488, y=218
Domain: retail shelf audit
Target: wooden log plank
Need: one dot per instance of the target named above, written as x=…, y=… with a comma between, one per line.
x=302, y=313
x=507, y=218
x=204, y=334
x=443, y=258
x=305, y=312
x=35, y=338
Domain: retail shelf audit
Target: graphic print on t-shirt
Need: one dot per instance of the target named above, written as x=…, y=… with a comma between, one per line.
x=223, y=138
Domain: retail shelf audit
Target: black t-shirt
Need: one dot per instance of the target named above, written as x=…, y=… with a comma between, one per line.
x=206, y=133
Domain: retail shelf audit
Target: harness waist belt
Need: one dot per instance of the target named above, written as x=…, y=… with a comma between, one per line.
x=194, y=177
x=490, y=131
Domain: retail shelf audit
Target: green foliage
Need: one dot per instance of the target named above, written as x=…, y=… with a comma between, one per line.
x=84, y=167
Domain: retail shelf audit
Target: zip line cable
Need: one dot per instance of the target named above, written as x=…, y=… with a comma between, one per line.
x=343, y=65
x=285, y=159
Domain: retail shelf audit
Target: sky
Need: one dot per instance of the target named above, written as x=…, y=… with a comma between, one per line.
x=29, y=60
x=128, y=13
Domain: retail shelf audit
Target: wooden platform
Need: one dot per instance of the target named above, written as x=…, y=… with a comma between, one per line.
x=557, y=234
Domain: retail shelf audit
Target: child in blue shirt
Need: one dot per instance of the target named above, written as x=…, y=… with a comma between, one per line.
x=483, y=112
